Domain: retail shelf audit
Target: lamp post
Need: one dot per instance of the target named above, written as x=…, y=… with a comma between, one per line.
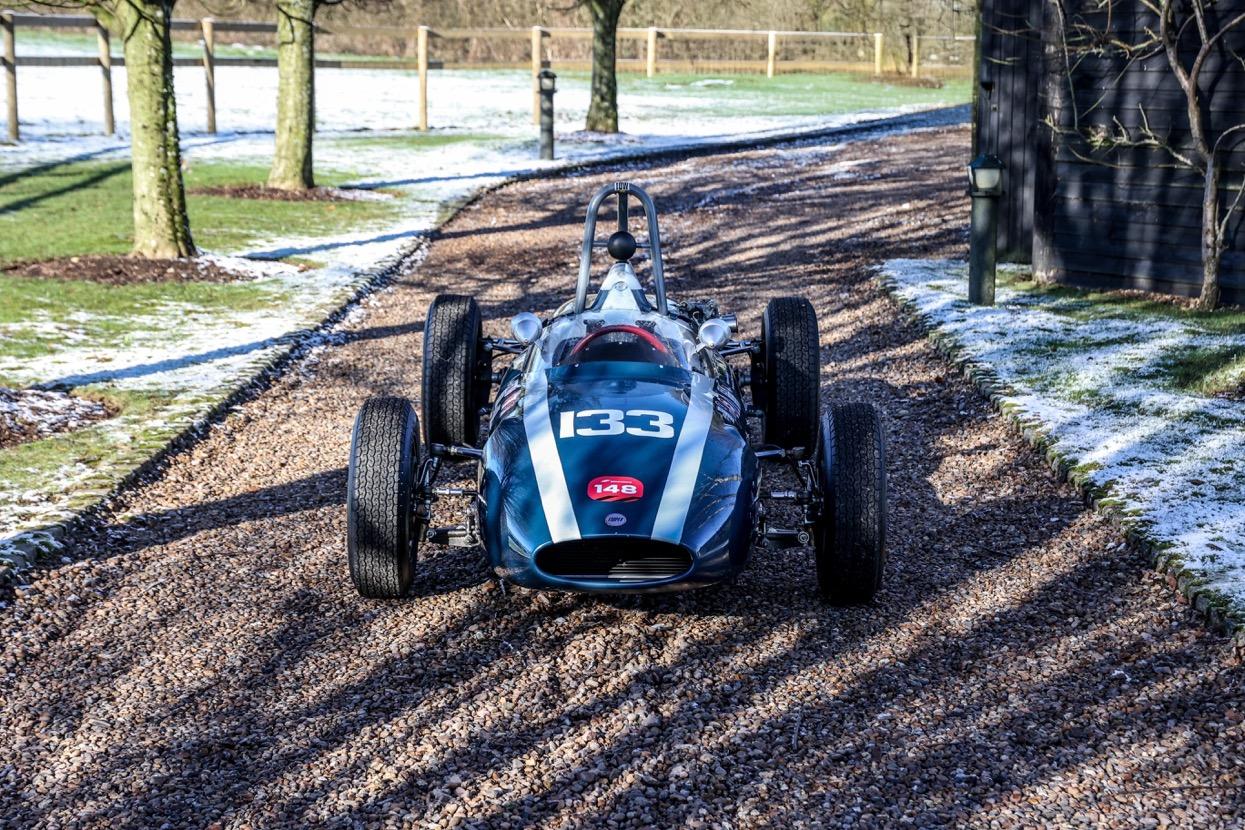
x=985, y=185
x=547, y=88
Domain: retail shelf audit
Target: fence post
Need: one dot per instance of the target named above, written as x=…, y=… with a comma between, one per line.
x=773, y=49
x=650, y=53
x=916, y=56
x=877, y=53
x=209, y=70
x=538, y=43
x=10, y=74
x=105, y=69
x=422, y=58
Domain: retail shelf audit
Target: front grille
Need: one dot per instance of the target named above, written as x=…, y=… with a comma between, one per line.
x=617, y=559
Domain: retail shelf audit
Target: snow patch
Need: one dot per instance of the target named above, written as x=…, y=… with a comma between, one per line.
x=1092, y=380
x=43, y=413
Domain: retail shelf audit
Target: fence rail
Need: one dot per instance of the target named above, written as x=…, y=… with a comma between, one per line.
x=539, y=37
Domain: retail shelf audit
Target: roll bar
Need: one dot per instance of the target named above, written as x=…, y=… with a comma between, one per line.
x=623, y=189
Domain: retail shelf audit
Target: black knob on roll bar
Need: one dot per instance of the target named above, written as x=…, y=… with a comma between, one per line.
x=621, y=246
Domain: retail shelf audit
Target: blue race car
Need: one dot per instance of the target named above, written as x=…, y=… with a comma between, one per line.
x=617, y=454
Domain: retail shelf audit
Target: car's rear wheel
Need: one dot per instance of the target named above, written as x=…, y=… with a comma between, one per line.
x=786, y=373
x=457, y=374
x=850, y=534
x=382, y=532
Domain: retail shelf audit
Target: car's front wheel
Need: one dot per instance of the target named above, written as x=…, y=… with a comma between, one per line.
x=382, y=531
x=850, y=533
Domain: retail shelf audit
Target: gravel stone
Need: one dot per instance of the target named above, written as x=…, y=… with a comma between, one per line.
x=202, y=660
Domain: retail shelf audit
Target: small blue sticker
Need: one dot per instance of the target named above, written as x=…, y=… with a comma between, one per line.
x=615, y=520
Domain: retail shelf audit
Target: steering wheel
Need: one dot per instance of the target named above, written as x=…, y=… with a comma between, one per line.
x=642, y=333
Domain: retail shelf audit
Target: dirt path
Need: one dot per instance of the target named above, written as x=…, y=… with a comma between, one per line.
x=205, y=662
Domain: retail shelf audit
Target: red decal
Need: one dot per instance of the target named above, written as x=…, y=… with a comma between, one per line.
x=615, y=488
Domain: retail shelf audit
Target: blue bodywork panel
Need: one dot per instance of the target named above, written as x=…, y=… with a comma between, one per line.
x=649, y=462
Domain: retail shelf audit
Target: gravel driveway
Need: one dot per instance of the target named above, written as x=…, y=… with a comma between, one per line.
x=204, y=662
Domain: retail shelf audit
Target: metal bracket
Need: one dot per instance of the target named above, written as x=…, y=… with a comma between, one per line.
x=456, y=452
x=781, y=538
x=734, y=347
x=455, y=536
x=453, y=491
x=503, y=345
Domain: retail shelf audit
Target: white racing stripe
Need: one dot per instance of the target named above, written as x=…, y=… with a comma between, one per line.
x=676, y=498
x=554, y=496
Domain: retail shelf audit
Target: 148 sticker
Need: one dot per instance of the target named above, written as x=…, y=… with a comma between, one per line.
x=615, y=488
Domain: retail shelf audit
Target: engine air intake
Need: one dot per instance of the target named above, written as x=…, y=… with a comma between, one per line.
x=616, y=559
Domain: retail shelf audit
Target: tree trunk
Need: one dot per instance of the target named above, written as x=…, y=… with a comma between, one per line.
x=1212, y=239
x=296, y=98
x=603, y=108
x=161, y=225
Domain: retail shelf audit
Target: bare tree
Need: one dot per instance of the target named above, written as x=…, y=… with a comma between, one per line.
x=1175, y=21
x=603, y=105
x=296, y=95
x=1188, y=34
x=161, y=223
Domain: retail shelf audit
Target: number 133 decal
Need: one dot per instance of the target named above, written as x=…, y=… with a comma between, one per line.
x=647, y=423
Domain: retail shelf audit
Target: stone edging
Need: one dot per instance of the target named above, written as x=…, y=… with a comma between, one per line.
x=1215, y=608
x=24, y=550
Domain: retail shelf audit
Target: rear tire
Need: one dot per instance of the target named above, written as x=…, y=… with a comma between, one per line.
x=787, y=374
x=382, y=534
x=850, y=535
x=457, y=374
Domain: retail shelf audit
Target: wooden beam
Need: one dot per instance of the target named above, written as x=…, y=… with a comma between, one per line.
x=10, y=74
x=422, y=57
x=209, y=70
x=538, y=44
x=771, y=53
x=105, y=69
x=877, y=53
x=650, y=53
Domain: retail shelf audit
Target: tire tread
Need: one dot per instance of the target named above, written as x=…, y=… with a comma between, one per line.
x=851, y=551
x=384, y=457
x=452, y=335
x=791, y=388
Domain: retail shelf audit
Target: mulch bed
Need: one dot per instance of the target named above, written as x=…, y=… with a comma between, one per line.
x=124, y=270
x=272, y=194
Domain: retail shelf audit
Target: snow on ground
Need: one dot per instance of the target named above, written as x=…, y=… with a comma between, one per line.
x=1094, y=381
x=56, y=102
x=42, y=413
x=193, y=357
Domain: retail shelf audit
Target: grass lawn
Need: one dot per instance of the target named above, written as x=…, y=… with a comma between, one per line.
x=410, y=140
x=57, y=210
x=1203, y=367
x=53, y=329
x=795, y=94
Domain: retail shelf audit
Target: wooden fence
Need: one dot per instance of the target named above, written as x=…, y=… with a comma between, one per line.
x=539, y=38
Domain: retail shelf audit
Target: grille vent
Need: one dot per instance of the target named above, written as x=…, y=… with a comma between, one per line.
x=620, y=560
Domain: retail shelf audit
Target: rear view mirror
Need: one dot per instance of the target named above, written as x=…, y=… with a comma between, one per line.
x=525, y=327
x=713, y=333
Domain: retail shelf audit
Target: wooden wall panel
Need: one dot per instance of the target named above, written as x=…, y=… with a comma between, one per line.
x=1129, y=218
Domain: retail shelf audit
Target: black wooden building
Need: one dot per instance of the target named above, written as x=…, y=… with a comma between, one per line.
x=1094, y=215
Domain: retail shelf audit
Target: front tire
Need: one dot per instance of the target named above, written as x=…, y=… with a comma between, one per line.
x=787, y=373
x=456, y=371
x=850, y=534
x=382, y=534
